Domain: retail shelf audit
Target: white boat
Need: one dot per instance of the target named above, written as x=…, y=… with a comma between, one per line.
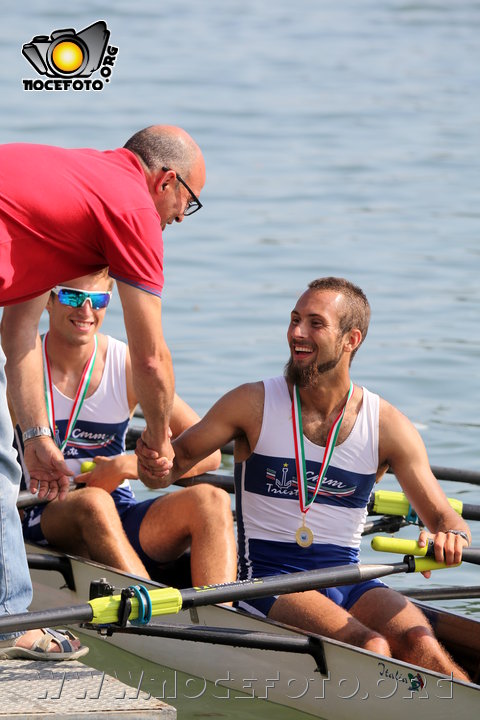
x=310, y=673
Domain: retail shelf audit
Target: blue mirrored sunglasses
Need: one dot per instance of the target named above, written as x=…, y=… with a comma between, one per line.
x=78, y=298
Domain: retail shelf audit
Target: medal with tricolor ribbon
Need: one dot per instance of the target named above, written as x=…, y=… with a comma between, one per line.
x=79, y=396
x=304, y=536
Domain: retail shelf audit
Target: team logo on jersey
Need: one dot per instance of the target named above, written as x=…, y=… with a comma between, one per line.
x=84, y=439
x=69, y=58
x=283, y=485
x=329, y=486
x=279, y=485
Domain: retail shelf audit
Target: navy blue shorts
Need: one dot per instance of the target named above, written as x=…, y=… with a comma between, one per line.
x=132, y=517
x=131, y=514
x=264, y=558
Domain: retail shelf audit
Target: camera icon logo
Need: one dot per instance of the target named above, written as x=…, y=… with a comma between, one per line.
x=68, y=54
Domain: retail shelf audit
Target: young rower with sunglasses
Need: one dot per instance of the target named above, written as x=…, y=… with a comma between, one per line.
x=90, y=398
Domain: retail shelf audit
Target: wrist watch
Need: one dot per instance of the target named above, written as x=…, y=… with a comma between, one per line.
x=35, y=432
x=462, y=534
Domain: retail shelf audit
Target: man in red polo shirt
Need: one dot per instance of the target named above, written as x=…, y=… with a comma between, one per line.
x=65, y=213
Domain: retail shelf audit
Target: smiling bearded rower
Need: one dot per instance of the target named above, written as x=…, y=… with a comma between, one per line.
x=309, y=448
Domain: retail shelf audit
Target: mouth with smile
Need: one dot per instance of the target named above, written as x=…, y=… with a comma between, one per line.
x=83, y=325
x=301, y=351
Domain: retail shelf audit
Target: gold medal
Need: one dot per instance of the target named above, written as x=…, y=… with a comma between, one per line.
x=304, y=536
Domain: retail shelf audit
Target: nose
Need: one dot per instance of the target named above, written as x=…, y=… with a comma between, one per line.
x=179, y=218
x=86, y=308
x=298, y=330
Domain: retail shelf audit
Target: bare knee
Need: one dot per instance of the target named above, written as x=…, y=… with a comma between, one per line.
x=368, y=639
x=378, y=644
x=93, y=506
x=211, y=503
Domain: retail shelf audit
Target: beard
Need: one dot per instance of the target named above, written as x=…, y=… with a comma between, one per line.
x=308, y=375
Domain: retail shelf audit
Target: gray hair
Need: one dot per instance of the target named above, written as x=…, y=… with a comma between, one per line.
x=158, y=147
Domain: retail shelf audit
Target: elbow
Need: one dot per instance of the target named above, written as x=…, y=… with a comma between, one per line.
x=212, y=462
x=151, y=369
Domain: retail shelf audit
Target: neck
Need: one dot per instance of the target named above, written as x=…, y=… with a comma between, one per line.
x=65, y=358
x=325, y=396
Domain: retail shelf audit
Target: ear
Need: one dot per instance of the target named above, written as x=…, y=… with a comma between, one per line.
x=163, y=180
x=352, y=340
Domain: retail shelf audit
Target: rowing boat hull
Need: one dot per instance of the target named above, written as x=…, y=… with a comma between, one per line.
x=349, y=681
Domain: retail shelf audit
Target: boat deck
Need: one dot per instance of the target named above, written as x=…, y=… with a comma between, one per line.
x=38, y=689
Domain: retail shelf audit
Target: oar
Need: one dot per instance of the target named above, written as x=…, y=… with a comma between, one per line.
x=166, y=601
x=442, y=593
x=411, y=547
x=389, y=502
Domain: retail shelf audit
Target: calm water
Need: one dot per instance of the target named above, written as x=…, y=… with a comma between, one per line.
x=340, y=138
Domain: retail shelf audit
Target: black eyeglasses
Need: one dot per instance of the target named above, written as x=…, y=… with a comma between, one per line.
x=194, y=203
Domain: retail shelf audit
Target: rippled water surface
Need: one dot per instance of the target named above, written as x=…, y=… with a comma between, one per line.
x=340, y=138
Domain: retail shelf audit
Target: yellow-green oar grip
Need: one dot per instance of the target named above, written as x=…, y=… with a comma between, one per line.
x=389, y=502
x=423, y=564
x=165, y=601
x=398, y=545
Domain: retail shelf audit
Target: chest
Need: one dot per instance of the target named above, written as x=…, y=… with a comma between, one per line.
x=317, y=429
x=70, y=383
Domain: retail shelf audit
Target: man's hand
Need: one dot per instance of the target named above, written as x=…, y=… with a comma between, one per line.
x=109, y=472
x=153, y=468
x=49, y=473
x=448, y=547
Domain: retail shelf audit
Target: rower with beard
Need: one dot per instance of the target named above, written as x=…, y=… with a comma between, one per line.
x=309, y=448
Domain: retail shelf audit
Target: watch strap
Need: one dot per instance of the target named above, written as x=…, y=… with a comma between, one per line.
x=37, y=431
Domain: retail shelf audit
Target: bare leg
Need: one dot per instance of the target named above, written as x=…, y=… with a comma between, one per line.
x=198, y=517
x=313, y=611
x=407, y=630
x=87, y=523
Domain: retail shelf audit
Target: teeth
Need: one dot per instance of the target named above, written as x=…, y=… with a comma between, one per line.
x=302, y=349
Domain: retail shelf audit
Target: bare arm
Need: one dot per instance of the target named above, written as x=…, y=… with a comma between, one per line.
x=151, y=365
x=24, y=369
x=236, y=416
x=402, y=448
x=110, y=472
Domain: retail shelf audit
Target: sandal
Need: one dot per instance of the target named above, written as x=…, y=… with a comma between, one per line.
x=39, y=651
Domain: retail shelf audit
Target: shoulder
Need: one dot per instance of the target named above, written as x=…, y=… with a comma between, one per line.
x=114, y=343
x=389, y=414
x=248, y=395
x=116, y=348
x=398, y=436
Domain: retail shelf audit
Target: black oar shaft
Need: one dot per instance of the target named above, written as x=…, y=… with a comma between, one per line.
x=443, y=593
x=46, y=618
x=470, y=511
x=289, y=583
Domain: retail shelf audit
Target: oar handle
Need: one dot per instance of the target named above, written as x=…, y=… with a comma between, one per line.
x=398, y=545
x=411, y=547
x=390, y=502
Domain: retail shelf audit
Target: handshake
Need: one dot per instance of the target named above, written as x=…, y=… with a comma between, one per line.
x=154, y=469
